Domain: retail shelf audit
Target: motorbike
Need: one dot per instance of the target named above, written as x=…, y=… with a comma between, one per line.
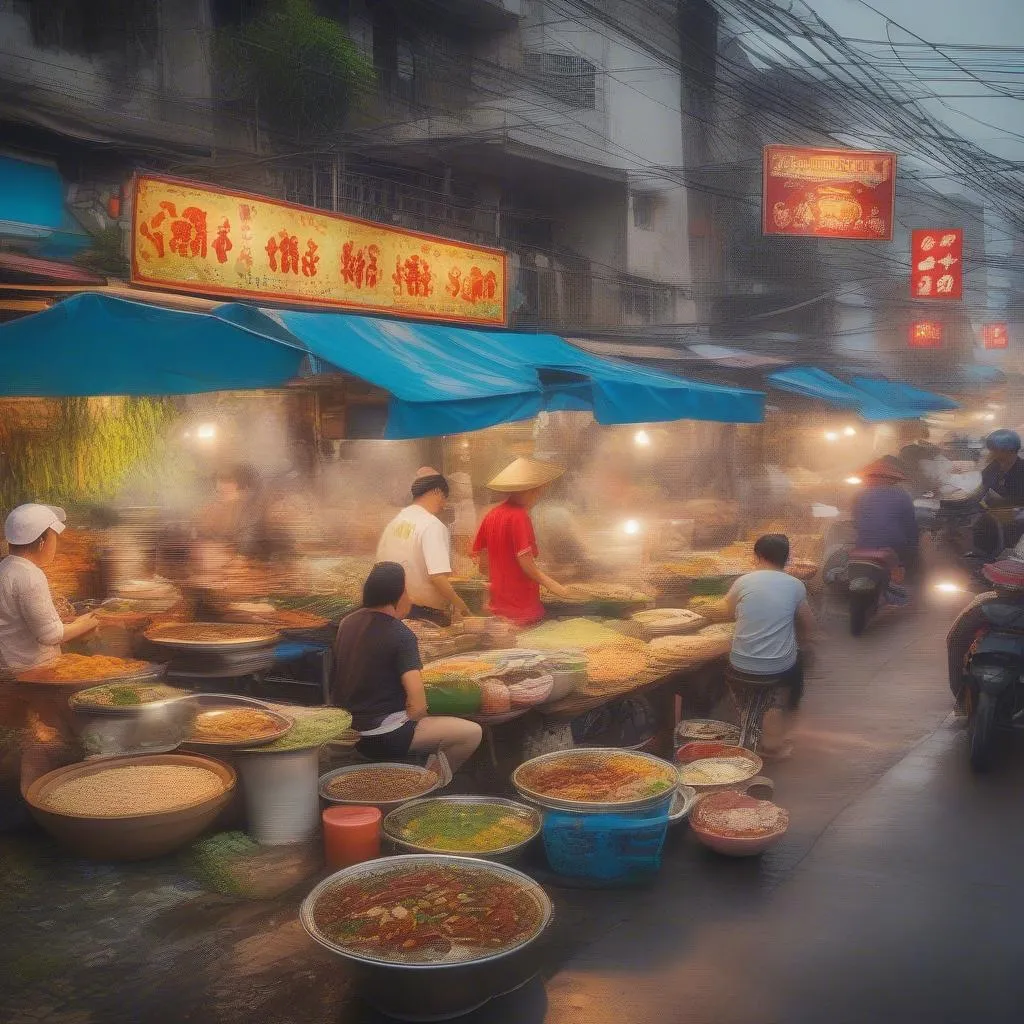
x=862, y=578
x=868, y=576
x=986, y=661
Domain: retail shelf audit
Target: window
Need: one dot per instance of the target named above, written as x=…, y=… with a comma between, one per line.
x=646, y=302
x=643, y=211
x=568, y=78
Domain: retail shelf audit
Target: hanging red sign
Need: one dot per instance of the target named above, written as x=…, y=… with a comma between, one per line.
x=926, y=334
x=828, y=193
x=937, y=263
x=995, y=335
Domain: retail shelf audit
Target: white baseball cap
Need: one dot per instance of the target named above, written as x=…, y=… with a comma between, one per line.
x=27, y=523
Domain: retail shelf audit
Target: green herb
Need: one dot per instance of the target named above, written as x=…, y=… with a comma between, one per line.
x=124, y=696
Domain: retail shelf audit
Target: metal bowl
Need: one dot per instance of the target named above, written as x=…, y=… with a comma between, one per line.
x=384, y=806
x=162, y=636
x=436, y=991
x=157, y=727
x=669, y=772
x=683, y=802
x=283, y=723
x=395, y=821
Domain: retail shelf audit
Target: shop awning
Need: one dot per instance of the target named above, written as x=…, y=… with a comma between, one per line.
x=898, y=395
x=441, y=379
x=31, y=198
x=98, y=345
x=448, y=379
x=812, y=382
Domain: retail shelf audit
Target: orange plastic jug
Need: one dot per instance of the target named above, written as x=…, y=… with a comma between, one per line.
x=351, y=835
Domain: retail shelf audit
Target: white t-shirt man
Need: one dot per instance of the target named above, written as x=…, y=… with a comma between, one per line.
x=30, y=628
x=766, y=604
x=419, y=542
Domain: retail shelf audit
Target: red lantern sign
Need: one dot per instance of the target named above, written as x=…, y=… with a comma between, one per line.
x=937, y=263
x=828, y=193
x=995, y=335
x=926, y=334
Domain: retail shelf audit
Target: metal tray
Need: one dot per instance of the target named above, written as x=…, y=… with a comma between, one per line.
x=271, y=636
x=594, y=807
x=284, y=725
x=396, y=819
x=152, y=671
x=683, y=803
x=384, y=806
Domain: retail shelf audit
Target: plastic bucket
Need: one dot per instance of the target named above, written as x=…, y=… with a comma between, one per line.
x=610, y=849
x=351, y=835
x=282, y=801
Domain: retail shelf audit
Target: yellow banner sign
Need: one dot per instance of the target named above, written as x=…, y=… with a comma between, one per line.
x=194, y=238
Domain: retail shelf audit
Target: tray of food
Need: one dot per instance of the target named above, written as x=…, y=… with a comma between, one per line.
x=466, y=826
x=128, y=698
x=706, y=729
x=384, y=785
x=422, y=909
x=212, y=637
x=81, y=669
x=708, y=765
x=234, y=726
x=596, y=779
x=286, y=620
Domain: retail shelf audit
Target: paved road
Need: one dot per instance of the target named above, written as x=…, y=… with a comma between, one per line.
x=894, y=897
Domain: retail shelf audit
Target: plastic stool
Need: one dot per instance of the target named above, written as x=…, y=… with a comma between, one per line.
x=351, y=835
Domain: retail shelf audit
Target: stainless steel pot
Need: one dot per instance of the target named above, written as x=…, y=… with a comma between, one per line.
x=397, y=819
x=435, y=991
x=670, y=773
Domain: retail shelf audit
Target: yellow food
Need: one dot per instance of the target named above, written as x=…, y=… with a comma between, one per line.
x=616, y=663
x=73, y=668
x=134, y=789
x=717, y=771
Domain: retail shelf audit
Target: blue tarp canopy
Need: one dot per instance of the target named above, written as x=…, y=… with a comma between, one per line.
x=441, y=379
x=812, y=382
x=98, y=345
x=31, y=198
x=898, y=395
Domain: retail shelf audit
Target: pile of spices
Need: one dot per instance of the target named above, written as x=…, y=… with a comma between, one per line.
x=737, y=815
x=134, y=789
x=382, y=785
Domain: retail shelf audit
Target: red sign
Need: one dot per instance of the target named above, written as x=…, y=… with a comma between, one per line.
x=995, y=335
x=828, y=193
x=937, y=263
x=926, y=334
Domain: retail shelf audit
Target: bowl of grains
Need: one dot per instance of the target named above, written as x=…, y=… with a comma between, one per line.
x=738, y=825
x=384, y=785
x=131, y=808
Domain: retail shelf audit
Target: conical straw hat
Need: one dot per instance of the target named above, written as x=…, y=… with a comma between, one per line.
x=524, y=475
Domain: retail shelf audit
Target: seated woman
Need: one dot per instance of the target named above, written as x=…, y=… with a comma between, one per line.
x=377, y=678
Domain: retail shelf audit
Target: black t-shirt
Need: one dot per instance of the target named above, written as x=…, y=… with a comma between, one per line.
x=1008, y=485
x=372, y=651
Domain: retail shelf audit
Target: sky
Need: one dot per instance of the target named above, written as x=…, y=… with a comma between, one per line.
x=963, y=22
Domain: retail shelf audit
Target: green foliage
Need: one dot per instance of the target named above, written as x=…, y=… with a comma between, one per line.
x=304, y=71
x=87, y=455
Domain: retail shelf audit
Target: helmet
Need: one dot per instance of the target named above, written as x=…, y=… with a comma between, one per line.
x=1003, y=441
x=883, y=469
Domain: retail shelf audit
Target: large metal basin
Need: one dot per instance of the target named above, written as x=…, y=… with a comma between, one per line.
x=429, y=992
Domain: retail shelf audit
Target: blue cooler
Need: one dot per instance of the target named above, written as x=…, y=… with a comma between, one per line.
x=618, y=848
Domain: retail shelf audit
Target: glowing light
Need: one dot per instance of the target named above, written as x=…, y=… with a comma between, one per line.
x=849, y=431
x=641, y=439
x=631, y=527
x=831, y=435
x=206, y=432
x=854, y=480
x=989, y=417
x=948, y=588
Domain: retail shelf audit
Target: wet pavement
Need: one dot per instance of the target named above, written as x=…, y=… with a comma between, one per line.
x=894, y=897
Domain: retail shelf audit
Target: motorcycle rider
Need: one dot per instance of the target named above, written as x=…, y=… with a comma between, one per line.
x=883, y=514
x=1004, y=473
x=1002, y=486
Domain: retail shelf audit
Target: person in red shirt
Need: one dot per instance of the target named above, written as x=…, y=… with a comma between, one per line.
x=507, y=547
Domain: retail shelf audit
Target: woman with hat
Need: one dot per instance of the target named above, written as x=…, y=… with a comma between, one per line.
x=31, y=632
x=507, y=545
x=883, y=514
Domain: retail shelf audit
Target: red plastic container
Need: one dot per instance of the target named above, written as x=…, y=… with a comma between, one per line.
x=351, y=835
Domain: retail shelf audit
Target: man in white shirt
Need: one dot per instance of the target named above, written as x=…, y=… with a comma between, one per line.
x=418, y=540
x=772, y=614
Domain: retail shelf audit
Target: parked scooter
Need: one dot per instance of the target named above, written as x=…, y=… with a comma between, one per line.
x=986, y=660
